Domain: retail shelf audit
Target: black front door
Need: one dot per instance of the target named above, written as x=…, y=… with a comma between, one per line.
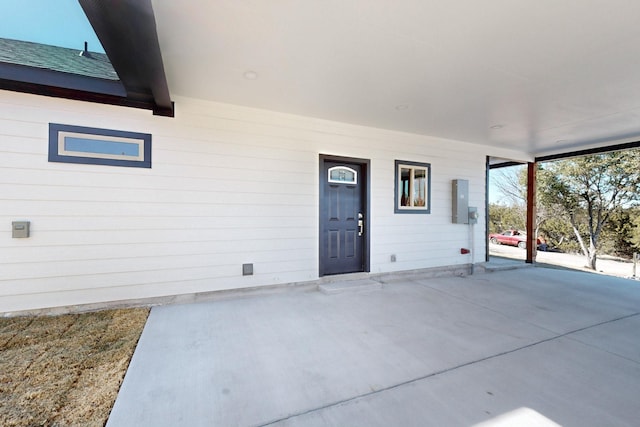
x=342, y=218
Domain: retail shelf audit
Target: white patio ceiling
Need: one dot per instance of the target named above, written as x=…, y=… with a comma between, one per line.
x=543, y=76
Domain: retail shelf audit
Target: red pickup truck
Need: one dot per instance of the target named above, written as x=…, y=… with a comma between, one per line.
x=510, y=237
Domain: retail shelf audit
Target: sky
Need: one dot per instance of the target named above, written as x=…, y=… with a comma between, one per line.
x=55, y=22
x=495, y=195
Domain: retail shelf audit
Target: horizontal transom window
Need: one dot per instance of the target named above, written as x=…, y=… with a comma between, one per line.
x=76, y=144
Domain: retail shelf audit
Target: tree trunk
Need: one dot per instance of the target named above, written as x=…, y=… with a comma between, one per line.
x=593, y=255
x=592, y=260
x=590, y=254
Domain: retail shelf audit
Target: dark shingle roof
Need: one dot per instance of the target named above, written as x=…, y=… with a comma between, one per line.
x=56, y=58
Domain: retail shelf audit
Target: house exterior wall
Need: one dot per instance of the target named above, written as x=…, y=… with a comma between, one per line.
x=228, y=185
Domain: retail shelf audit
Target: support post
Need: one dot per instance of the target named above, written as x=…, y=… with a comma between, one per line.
x=486, y=208
x=532, y=238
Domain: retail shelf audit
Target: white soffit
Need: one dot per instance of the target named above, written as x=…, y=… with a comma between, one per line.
x=538, y=76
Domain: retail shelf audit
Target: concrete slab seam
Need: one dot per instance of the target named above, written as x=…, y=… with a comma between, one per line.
x=602, y=348
x=444, y=371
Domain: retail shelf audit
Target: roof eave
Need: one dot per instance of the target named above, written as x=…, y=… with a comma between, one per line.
x=44, y=77
x=39, y=81
x=80, y=95
x=127, y=31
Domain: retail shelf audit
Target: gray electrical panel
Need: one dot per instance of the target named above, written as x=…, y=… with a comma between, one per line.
x=460, y=201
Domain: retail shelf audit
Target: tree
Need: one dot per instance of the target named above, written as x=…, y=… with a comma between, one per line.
x=589, y=190
x=635, y=231
x=511, y=182
x=505, y=217
x=618, y=233
x=556, y=230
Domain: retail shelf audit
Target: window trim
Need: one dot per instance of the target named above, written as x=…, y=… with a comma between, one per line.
x=57, y=152
x=402, y=164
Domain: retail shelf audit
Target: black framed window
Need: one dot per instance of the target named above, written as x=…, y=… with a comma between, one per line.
x=412, y=187
x=78, y=144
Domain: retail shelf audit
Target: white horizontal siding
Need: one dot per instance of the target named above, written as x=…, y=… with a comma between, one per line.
x=228, y=185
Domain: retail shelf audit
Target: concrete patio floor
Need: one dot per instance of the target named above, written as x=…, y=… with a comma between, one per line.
x=532, y=346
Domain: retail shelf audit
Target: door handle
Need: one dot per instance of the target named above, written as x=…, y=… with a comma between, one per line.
x=360, y=224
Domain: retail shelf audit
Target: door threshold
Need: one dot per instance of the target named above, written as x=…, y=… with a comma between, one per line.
x=349, y=286
x=346, y=277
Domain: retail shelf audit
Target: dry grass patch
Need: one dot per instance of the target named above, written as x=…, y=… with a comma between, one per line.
x=65, y=370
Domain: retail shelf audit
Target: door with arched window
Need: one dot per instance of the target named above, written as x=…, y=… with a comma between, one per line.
x=343, y=221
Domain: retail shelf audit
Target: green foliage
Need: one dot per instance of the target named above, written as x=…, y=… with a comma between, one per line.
x=584, y=204
x=559, y=235
x=617, y=234
x=635, y=231
x=506, y=217
x=592, y=192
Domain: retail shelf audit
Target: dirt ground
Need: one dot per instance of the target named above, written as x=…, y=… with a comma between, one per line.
x=610, y=266
x=65, y=370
